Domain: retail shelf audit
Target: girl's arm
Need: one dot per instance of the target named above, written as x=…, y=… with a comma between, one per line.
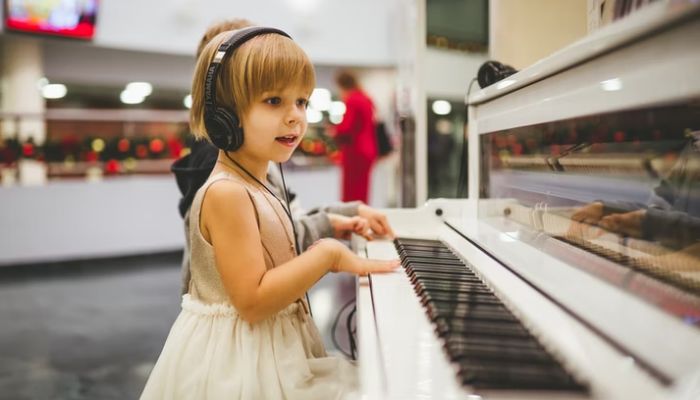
x=228, y=222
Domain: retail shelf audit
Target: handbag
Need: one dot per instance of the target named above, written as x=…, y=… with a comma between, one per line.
x=384, y=145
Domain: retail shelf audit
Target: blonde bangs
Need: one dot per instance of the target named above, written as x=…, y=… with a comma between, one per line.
x=265, y=63
x=271, y=62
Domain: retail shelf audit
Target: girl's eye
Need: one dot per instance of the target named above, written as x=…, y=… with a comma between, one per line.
x=303, y=102
x=273, y=100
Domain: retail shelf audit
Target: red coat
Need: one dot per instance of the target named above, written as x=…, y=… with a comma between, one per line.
x=358, y=145
x=355, y=133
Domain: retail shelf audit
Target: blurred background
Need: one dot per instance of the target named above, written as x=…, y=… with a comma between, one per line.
x=94, y=100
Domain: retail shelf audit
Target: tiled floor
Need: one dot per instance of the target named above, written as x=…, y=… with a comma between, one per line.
x=96, y=332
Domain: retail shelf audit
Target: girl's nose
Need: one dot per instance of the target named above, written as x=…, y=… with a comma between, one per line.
x=294, y=116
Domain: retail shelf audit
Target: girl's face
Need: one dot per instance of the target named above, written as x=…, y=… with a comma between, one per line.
x=275, y=124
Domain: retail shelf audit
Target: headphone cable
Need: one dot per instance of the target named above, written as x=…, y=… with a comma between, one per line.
x=353, y=346
x=286, y=198
x=463, y=165
x=286, y=209
x=294, y=229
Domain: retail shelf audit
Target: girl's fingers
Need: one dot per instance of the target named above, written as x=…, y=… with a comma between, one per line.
x=389, y=266
x=377, y=266
x=377, y=227
x=362, y=228
x=380, y=226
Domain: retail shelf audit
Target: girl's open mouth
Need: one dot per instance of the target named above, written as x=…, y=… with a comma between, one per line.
x=287, y=140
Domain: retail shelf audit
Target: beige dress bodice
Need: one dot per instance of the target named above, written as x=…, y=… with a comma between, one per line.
x=276, y=237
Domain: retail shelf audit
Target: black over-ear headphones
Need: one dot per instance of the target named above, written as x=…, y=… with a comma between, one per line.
x=223, y=126
x=491, y=72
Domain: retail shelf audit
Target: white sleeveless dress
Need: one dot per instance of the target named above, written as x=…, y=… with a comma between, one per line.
x=211, y=353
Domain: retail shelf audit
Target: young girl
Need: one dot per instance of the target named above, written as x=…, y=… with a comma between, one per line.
x=244, y=331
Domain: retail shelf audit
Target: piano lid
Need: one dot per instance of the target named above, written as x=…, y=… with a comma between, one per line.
x=650, y=19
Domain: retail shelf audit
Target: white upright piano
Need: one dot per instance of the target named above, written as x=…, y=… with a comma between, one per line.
x=573, y=269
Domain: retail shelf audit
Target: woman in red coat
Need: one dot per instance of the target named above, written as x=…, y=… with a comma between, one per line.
x=356, y=138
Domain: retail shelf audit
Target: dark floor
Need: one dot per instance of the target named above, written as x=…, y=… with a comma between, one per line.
x=94, y=331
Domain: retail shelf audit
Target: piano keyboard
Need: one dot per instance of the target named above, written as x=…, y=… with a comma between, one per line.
x=491, y=348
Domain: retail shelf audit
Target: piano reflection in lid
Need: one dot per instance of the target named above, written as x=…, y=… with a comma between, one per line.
x=654, y=228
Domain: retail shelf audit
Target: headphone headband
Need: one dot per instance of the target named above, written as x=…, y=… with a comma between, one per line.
x=238, y=37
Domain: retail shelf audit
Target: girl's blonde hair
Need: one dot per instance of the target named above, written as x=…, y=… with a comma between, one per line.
x=268, y=62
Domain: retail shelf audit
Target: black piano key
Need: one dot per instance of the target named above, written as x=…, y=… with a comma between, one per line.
x=497, y=349
x=428, y=254
x=522, y=377
x=435, y=316
x=415, y=266
x=433, y=261
x=419, y=242
x=449, y=298
x=431, y=249
x=433, y=245
x=437, y=268
x=468, y=310
x=454, y=287
x=460, y=297
x=469, y=327
x=450, y=269
x=444, y=275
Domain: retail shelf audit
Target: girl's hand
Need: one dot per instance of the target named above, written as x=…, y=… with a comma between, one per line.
x=377, y=221
x=344, y=226
x=584, y=221
x=345, y=260
x=629, y=223
x=589, y=214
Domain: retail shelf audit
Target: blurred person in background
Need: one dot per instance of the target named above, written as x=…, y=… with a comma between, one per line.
x=356, y=137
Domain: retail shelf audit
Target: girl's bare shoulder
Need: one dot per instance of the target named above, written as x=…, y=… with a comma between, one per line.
x=226, y=196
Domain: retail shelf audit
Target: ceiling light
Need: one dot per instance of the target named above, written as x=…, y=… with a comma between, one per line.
x=54, y=91
x=320, y=99
x=130, y=97
x=336, y=119
x=313, y=116
x=337, y=108
x=442, y=107
x=142, y=88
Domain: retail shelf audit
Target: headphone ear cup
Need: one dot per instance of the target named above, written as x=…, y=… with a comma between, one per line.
x=236, y=130
x=491, y=72
x=487, y=73
x=224, y=130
